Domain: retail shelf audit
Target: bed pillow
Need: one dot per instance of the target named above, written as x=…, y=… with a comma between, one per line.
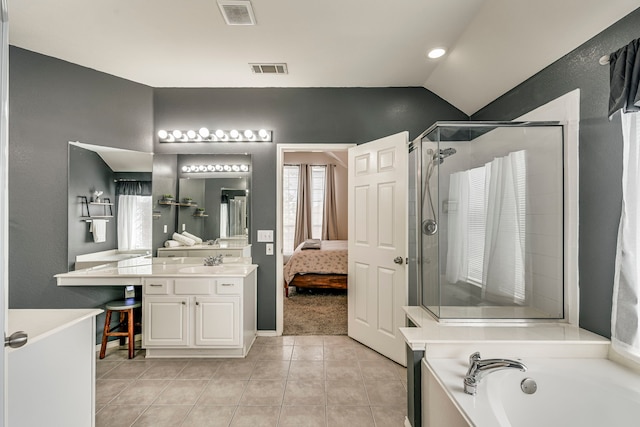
x=311, y=244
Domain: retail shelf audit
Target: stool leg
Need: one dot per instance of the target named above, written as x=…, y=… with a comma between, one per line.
x=107, y=326
x=130, y=324
x=122, y=326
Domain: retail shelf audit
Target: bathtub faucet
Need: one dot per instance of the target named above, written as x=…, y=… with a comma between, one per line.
x=213, y=260
x=478, y=368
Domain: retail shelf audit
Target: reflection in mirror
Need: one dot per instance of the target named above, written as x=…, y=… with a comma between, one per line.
x=233, y=213
x=109, y=204
x=214, y=205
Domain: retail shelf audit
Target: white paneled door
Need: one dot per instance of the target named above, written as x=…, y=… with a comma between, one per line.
x=378, y=244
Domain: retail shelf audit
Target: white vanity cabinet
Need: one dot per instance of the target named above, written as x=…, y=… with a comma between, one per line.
x=205, y=251
x=199, y=316
x=218, y=321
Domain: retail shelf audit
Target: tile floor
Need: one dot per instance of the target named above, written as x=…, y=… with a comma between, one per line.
x=284, y=381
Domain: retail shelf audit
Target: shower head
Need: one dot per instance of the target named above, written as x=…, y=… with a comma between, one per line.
x=442, y=154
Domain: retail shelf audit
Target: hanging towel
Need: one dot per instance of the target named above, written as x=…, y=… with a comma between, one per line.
x=172, y=244
x=192, y=237
x=99, y=229
x=183, y=239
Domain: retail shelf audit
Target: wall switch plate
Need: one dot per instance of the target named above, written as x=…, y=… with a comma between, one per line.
x=265, y=235
x=184, y=227
x=269, y=248
x=165, y=228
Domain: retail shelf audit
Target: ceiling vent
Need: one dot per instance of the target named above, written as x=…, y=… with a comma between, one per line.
x=237, y=12
x=269, y=68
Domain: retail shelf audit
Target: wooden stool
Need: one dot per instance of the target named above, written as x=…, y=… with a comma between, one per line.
x=126, y=326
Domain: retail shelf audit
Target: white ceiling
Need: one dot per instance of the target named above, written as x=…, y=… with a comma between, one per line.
x=493, y=45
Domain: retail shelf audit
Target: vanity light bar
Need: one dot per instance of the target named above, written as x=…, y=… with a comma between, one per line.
x=215, y=168
x=219, y=135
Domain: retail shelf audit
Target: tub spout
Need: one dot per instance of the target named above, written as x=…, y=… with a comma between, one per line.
x=478, y=368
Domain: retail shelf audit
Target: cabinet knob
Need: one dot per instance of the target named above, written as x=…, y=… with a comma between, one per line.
x=184, y=303
x=197, y=302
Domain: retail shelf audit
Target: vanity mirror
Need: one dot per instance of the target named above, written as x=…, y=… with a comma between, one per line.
x=109, y=204
x=214, y=203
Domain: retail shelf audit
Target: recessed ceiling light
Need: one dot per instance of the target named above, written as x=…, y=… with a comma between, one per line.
x=436, y=53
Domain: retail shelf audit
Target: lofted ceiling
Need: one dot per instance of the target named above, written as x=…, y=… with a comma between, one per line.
x=492, y=45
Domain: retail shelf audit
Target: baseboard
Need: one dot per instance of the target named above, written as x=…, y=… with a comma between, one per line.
x=267, y=333
x=116, y=342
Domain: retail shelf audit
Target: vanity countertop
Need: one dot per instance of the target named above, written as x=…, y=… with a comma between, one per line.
x=133, y=271
x=205, y=247
x=447, y=339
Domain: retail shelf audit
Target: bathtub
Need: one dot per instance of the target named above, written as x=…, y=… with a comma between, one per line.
x=570, y=392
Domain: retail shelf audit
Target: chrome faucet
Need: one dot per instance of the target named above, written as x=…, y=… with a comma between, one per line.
x=478, y=368
x=213, y=260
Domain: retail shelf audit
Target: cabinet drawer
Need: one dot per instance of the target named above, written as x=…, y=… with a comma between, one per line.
x=171, y=254
x=229, y=286
x=193, y=287
x=156, y=286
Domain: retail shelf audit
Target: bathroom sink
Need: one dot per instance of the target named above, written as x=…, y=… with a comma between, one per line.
x=214, y=269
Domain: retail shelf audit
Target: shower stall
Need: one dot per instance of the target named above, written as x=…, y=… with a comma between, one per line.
x=486, y=240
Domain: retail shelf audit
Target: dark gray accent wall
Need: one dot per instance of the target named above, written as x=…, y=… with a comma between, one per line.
x=600, y=158
x=52, y=102
x=305, y=115
x=87, y=173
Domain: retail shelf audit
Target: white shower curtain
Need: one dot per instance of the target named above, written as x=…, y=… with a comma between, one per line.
x=505, y=235
x=625, y=313
x=487, y=227
x=134, y=222
x=465, y=227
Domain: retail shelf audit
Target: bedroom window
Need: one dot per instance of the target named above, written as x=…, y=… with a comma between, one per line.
x=317, y=199
x=290, y=192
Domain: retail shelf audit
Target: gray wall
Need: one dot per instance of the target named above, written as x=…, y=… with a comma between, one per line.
x=600, y=158
x=310, y=115
x=52, y=102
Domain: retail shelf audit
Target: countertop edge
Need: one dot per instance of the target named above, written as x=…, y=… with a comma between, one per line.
x=42, y=323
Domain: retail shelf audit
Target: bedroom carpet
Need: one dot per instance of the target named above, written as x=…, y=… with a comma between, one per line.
x=321, y=312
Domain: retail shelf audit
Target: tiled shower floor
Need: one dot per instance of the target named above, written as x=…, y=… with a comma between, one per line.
x=284, y=381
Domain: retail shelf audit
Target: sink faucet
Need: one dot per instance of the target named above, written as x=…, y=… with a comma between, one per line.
x=478, y=368
x=213, y=260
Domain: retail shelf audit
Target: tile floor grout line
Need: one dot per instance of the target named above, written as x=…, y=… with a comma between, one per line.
x=286, y=376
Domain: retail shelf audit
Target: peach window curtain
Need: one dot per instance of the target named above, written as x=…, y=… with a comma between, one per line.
x=330, y=216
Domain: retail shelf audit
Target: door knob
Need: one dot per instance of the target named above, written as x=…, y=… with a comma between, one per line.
x=16, y=340
x=398, y=260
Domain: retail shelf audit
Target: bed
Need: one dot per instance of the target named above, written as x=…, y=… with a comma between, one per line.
x=317, y=265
